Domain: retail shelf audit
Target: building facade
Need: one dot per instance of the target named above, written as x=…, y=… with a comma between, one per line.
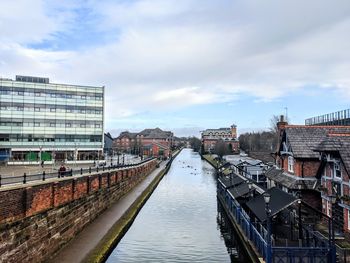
x=151, y=142
x=43, y=121
x=299, y=167
x=335, y=187
x=126, y=142
x=210, y=137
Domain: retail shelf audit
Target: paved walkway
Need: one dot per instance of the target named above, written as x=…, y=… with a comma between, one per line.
x=78, y=248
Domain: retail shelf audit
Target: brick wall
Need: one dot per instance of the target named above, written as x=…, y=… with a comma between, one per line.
x=35, y=221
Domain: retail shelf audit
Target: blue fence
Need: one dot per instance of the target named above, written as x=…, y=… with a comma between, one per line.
x=257, y=234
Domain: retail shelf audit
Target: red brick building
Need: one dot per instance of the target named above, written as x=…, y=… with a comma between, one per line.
x=334, y=172
x=150, y=142
x=210, y=137
x=126, y=142
x=298, y=166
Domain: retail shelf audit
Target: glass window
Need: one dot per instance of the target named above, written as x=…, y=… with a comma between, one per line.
x=37, y=94
x=83, y=97
x=52, y=124
x=68, y=124
x=82, y=125
x=36, y=109
x=36, y=124
x=53, y=95
x=20, y=108
x=53, y=109
x=290, y=164
x=337, y=171
x=97, y=125
x=20, y=93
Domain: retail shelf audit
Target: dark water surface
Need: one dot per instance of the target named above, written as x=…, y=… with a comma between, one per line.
x=179, y=221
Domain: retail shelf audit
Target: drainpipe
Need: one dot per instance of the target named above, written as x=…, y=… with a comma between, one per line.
x=302, y=169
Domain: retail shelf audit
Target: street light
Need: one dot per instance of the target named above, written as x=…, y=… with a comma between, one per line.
x=267, y=198
x=333, y=199
x=299, y=223
x=250, y=187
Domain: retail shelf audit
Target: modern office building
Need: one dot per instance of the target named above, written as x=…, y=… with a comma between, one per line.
x=43, y=121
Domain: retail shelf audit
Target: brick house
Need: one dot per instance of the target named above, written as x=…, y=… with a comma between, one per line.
x=150, y=142
x=210, y=137
x=335, y=170
x=159, y=141
x=126, y=142
x=297, y=169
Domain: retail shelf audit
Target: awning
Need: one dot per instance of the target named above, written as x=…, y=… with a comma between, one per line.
x=239, y=190
x=279, y=201
x=290, y=181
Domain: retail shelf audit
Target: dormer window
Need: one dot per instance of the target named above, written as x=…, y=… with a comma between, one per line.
x=290, y=164
x=336, y=170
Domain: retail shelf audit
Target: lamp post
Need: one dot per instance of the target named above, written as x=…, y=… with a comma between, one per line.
x=250, y=187
x=300, y=230
x=333, y=199
x=267, y=198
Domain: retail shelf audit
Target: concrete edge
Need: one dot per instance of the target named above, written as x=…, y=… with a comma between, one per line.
x=105, y=247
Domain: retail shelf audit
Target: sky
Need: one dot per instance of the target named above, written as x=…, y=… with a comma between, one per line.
x=187, y=65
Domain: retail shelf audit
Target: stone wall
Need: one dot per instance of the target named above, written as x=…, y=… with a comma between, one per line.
x=37, y=220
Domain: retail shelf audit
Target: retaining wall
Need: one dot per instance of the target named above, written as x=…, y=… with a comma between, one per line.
x=37, y=220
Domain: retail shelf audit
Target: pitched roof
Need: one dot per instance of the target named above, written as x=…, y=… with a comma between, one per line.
x=290, y=181
x=127, y=134
x=337, y=143
x=155, y=133
x=279, y=201
x=239, y=190
x=304, y=139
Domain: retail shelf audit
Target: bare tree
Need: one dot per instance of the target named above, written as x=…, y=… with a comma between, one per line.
x=195, y=143
x=221, y=148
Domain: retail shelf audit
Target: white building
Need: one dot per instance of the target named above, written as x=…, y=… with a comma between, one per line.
x=40, y=120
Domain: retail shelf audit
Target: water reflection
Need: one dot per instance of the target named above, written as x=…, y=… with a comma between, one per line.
x=234, y=247
x=179, y=221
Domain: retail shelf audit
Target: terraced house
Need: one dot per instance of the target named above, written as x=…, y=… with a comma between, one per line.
x=43, y=121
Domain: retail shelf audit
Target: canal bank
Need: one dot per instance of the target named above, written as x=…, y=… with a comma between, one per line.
x=248, y=246
x=95, y=241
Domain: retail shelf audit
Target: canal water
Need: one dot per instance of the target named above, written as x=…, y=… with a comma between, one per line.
x=180, y=221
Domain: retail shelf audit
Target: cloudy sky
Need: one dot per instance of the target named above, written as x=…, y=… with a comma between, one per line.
x=186, y=65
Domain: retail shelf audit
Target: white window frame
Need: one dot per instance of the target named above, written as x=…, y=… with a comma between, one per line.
x=290, y=164
x=336, y=167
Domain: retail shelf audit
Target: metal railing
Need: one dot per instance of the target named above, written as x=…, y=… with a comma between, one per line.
x=334, y=118
x=25, y=178
x=257, y=234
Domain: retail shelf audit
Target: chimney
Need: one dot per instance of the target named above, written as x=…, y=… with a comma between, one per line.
x=281, y=124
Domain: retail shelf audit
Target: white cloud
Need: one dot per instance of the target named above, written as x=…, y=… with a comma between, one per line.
x=165, y=53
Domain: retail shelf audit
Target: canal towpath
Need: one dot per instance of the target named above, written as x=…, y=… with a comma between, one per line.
x=80, y=249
